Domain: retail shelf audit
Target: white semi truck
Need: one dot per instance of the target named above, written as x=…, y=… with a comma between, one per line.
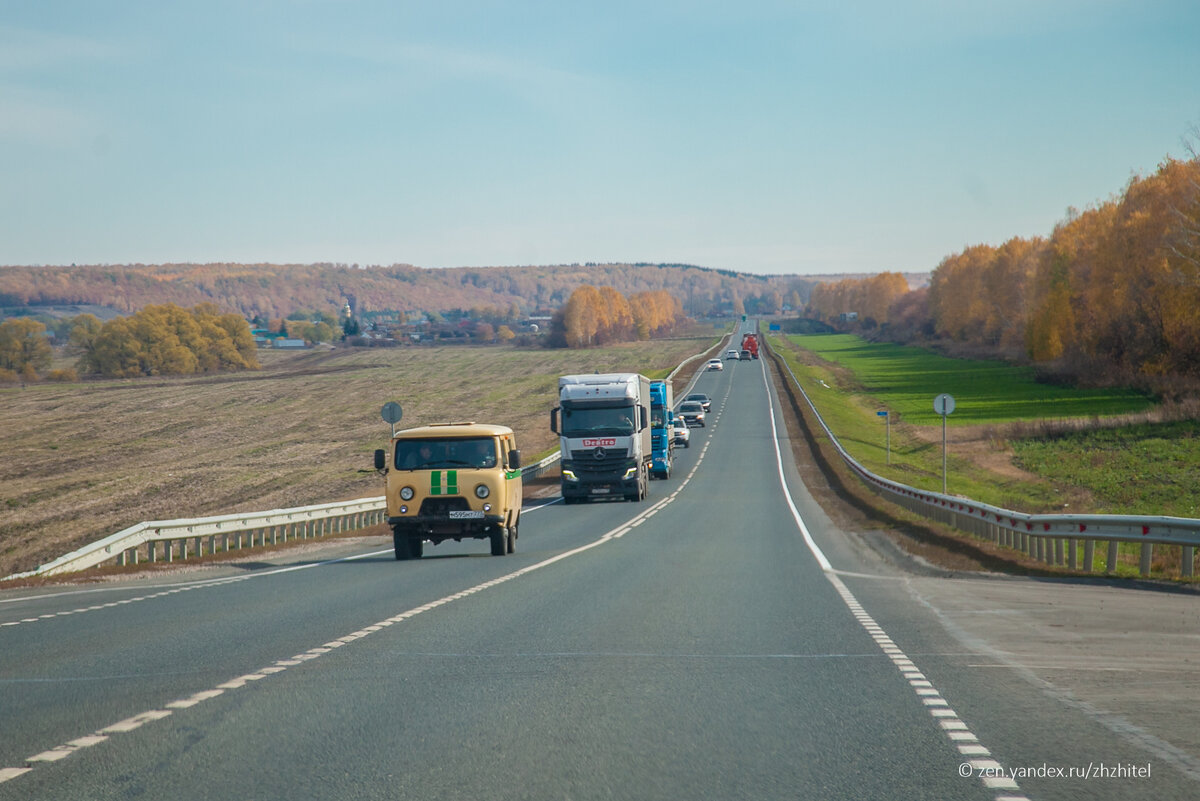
x=603, y=422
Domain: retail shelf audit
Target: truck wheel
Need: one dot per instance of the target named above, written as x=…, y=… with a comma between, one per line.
x=512, y=539
x=499, y=538
x=416, y=547
x=401, y=544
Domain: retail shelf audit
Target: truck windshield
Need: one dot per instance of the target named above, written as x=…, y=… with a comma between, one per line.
x=586, y=421
x=424, y=454
x=658, y=417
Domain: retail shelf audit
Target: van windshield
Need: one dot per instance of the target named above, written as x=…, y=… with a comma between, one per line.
x=425, y=454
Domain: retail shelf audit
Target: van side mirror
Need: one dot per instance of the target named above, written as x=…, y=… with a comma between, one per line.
x=514, y=460
x=380, y=460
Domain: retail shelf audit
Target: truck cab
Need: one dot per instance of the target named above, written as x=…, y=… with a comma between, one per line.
x=452, y=481
x=603, y=423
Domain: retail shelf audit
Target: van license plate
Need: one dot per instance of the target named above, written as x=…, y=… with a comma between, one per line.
x=466, y=515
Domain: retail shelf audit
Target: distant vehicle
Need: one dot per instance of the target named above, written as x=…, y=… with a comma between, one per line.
x=692, y=413
x=702, y=399
x=683, y=434
x=662, y=415
x=714, y=364
x=750, y=343
x=731, y=354
x=746, y=356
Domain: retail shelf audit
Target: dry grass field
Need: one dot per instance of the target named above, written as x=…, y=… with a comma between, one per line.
x=82, y=460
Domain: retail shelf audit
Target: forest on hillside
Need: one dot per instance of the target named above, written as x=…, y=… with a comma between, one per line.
x=1112, y=294
x=274, y=291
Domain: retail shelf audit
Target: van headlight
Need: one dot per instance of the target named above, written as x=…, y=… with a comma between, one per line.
x=482, y=491
x=406, y=493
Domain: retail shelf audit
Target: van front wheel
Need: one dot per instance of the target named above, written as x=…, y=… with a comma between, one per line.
x=402, y=546
x=499, y=538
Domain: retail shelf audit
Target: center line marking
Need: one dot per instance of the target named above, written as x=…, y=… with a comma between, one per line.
x=135, y=722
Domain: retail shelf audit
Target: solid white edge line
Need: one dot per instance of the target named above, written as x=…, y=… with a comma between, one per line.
x=990, y=772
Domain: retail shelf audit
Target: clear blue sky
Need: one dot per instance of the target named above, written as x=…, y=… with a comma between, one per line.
x=769, y=137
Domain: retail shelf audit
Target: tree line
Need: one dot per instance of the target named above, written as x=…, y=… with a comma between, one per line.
x=599, y=316
x=158, y=340
x=1112, y=291
x=164, y=340
x=274, y=291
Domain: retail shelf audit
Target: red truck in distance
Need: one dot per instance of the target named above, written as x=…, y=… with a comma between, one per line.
x=750, y=343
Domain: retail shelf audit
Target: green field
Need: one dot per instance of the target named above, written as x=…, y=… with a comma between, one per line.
x=905, y=380
x=1147, y=468
x=1117, y=467
x=1150, y=468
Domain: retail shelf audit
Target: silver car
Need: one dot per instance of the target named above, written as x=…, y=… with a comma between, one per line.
x=692, y=413
x=683, y=434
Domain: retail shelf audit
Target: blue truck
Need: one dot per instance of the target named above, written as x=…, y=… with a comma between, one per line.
x=662, y=435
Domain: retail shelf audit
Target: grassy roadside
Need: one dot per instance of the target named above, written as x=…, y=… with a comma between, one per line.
x=1136, y=469
x=915, y=456
x=83, y=460
x=906, y=379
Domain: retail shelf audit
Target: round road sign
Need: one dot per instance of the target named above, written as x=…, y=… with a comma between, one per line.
x=943, y=404
x=391, y=412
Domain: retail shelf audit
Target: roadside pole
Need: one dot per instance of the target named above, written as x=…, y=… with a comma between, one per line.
x=887, y=420
x=943, y=404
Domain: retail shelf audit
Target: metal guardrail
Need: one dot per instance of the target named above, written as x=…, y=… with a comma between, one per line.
x=1050, y=538
x=177, y=539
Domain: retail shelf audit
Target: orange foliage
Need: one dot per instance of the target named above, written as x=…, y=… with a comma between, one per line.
x=594, y=316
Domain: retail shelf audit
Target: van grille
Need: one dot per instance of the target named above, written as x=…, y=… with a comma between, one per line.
x=442, y=507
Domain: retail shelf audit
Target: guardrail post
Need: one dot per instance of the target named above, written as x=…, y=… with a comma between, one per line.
x=199, y=547
x=1089, y=555
x=1147, y=552
x=1058, y=551
x=1072, y=555
x=1111, y=564
x=1187, y=564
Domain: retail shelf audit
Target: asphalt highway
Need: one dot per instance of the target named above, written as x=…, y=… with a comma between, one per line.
x=720, y=640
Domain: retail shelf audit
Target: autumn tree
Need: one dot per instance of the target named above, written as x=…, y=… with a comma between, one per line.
x=594, y=316
x=870, y=298
x=24, y=348
x=167, y=340
x=81, y=342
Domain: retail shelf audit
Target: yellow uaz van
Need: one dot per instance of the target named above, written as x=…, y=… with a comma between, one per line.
x=453, y=481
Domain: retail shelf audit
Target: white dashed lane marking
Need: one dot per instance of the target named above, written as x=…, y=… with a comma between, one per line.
x=137, y=721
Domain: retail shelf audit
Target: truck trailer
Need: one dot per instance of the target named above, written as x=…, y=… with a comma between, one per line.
x=662, y=435
x=603, y=423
